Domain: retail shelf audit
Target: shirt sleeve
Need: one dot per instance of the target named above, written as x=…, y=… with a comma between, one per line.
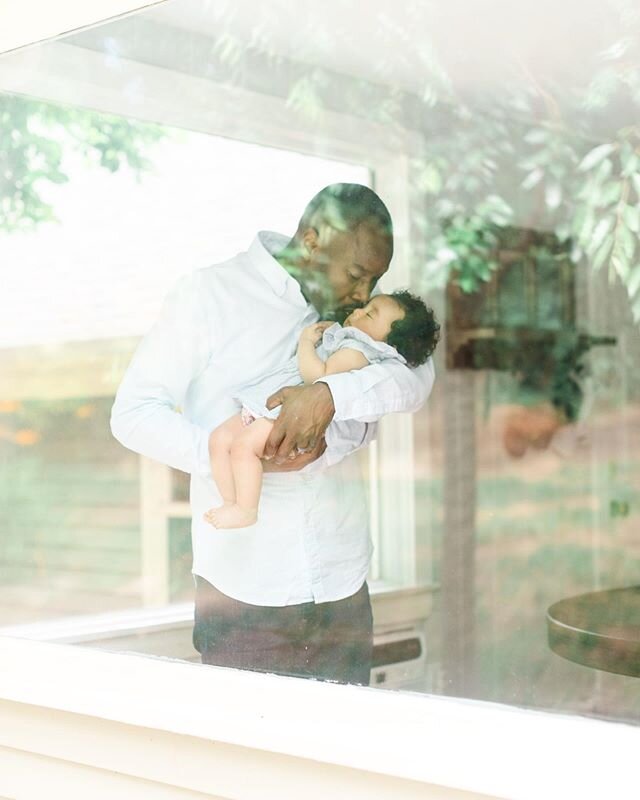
x=145, y=416
x=343, y=438
x=369, y=393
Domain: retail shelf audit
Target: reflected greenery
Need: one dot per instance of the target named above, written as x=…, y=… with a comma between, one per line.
x=35, y=140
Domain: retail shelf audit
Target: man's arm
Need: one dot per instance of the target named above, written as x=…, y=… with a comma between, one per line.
x=175, y=351
x=379, y=389
x=363, y=395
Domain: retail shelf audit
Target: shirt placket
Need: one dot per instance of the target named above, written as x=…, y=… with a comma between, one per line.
x=310, y=536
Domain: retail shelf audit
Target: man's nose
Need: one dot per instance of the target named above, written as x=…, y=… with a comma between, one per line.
x=360, y=294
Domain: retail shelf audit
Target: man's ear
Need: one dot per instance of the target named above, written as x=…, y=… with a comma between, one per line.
x=310, y=241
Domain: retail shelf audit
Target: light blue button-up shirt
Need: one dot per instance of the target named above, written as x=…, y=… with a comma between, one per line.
x=221, y=328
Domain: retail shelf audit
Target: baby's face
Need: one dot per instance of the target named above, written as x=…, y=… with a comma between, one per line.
x=377, y=317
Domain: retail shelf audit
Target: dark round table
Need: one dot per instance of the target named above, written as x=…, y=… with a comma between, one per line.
x=598, y=629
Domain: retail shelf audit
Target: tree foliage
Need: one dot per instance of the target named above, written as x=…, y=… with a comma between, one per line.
x=35, y=137
x=575, y=171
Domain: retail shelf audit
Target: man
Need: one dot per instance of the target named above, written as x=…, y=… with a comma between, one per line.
x=289, y=593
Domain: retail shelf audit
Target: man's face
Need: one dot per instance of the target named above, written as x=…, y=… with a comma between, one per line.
x=345, y=266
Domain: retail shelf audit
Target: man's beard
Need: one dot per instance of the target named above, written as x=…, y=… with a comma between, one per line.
x=316, y=290
x=340, y=313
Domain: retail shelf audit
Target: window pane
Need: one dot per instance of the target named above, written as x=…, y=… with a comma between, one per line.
x=150, y=148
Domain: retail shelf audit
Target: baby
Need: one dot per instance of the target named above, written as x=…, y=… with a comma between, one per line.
x=394, y=327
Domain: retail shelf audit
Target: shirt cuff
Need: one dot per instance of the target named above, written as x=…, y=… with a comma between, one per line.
x=348, y=393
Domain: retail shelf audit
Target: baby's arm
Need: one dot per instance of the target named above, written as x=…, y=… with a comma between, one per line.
x=311, y=367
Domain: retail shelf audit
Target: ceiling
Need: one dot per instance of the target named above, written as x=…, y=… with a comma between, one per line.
x=480, y=43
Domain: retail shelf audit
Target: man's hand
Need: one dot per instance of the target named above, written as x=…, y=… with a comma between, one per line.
x=300, y=428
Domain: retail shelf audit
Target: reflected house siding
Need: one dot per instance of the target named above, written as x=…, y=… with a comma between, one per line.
x=70, y=516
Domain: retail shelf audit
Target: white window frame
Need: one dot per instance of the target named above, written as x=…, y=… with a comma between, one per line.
x=37, y=20
x=78, y=720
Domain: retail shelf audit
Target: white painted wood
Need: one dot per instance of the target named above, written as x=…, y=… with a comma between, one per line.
x=459, y=744
x=27, y=776
x=391, y=608
x=155, y=497
x=395, y=456
x=87, y=753
x=184, y=101
x=31, y=21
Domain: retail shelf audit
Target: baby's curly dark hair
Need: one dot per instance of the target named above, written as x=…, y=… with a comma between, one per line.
x=416, y=335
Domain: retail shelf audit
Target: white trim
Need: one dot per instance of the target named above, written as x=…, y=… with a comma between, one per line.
x=461, y=744
x=33, y=21
x=392, y=607
x=395, y=455
x=59, y=754
x=185, y=101
x=155, y=497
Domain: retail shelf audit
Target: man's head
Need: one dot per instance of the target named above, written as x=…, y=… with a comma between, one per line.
x=343, y=245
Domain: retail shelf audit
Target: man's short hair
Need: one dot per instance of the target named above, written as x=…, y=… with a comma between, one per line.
x=345, y=206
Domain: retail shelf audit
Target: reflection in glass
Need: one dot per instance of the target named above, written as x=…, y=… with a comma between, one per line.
x=513, y=176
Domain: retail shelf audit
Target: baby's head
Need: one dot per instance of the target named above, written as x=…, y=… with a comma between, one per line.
x=402, y=320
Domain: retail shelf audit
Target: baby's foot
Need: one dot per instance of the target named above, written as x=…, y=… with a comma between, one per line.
x=232, y=517
x=208, y=515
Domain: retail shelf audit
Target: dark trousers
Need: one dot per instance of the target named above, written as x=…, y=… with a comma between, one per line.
x=329, y=641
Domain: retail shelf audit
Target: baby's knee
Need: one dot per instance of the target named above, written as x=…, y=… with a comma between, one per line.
x=220, y=440
x=241, y=448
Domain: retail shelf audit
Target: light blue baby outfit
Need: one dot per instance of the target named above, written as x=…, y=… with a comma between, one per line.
x=335, y=338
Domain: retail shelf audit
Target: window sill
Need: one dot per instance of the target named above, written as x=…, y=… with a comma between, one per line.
x=436, y=742
x=166, y=631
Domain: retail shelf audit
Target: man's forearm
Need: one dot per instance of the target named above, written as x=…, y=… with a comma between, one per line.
x=162, y=434
x=370, y=393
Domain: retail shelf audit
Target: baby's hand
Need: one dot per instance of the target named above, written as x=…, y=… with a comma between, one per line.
x=313, y=333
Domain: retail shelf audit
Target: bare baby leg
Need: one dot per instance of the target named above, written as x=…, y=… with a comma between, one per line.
x=221, y=440
x=245, y=454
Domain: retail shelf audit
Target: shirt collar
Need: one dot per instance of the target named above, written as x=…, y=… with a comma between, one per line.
x=261, y=254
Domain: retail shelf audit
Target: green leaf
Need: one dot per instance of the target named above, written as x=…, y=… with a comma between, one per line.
x=629, y=160
x=430, y=179
x=631, y=216
x=584, y=233
x=620, y=264
x=608, y=195
x=604, y=170
x=595, y=156
x=553, y=196
x=627, y=241
x=601, y=230
x=467, y=283
x=633, y=284
x=603, y=253
x=532, y=179
x=536, y=136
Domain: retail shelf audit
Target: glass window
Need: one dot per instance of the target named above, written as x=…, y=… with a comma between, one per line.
x=502, y=512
